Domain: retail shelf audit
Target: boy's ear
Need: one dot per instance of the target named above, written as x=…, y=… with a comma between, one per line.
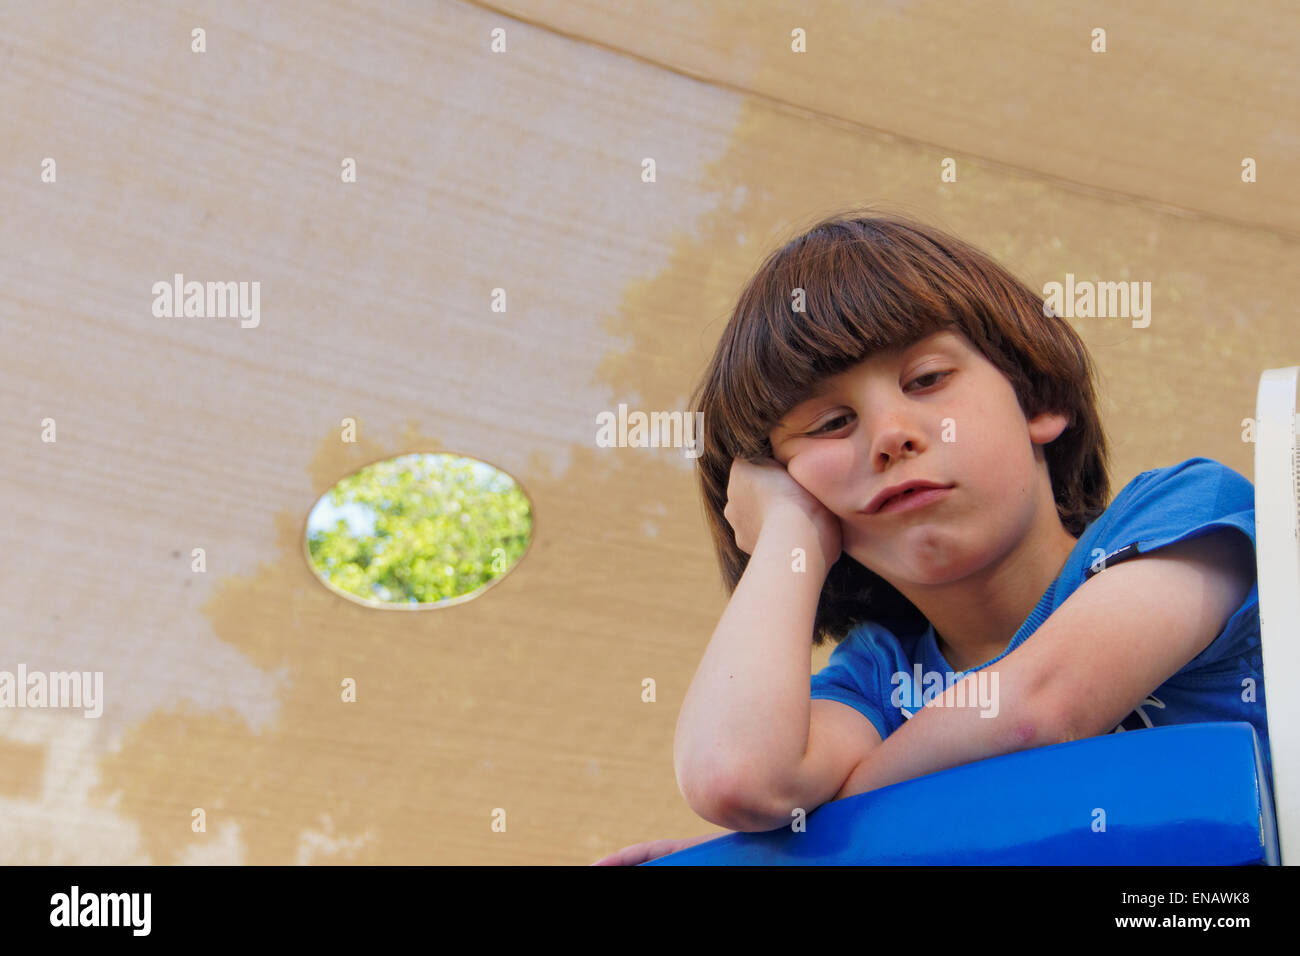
x=1046, y=427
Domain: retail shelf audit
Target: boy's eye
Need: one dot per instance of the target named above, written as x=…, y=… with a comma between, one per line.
x=920, y=378
x=838, y=418
x=928, y=375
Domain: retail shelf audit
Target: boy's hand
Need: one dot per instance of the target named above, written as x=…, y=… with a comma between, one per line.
x=639, y=853
x=757, y=490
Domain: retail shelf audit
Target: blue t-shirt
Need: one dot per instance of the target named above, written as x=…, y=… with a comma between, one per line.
x=1224, y=682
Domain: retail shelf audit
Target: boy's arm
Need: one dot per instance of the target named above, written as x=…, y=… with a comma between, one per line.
x=744, y=724
x=1117, y=638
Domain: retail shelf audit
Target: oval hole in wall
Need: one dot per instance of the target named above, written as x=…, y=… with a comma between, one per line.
x=418, y=531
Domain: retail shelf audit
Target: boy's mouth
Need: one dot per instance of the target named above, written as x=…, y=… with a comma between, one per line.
x=911, y=499
x=892, y=497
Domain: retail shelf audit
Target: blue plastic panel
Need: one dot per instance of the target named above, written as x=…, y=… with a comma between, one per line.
x=1194, y=794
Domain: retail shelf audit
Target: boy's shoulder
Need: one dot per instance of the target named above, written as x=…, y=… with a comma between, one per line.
x=1160, y=507
x=1164, y=505
x=1188, y=474
x=1197, y=468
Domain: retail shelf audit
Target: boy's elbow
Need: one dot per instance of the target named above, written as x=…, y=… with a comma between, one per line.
x=747, y=819
x=1042, y=723
x=729, y=802
x=701, y=796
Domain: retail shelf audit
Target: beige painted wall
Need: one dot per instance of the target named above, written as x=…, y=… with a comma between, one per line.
x=519, y=170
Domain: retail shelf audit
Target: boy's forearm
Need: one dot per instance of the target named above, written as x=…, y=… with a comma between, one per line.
x=745, y=717
x=999, y=718
x=943, y=734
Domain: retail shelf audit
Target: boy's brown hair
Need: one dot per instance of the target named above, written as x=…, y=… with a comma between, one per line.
x=871, y=282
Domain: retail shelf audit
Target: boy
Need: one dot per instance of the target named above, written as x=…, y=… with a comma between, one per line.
x=912, y=464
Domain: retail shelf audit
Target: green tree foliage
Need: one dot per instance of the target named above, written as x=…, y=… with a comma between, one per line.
x=442, y=528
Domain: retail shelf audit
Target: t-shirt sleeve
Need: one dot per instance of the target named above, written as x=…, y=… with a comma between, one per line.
x=852, y=676
x=1168, y=505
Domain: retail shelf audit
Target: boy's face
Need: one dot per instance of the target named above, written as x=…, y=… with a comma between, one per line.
x=935, y=411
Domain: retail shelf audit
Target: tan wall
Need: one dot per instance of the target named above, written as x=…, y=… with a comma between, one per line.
x=519, y=170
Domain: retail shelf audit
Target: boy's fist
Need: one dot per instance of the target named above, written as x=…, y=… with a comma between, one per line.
x=755, y=491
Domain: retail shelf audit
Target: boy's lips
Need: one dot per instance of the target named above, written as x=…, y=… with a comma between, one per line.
x=919, y=489
x=913, y=500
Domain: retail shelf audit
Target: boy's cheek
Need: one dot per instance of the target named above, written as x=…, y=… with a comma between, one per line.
x=799, y=472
